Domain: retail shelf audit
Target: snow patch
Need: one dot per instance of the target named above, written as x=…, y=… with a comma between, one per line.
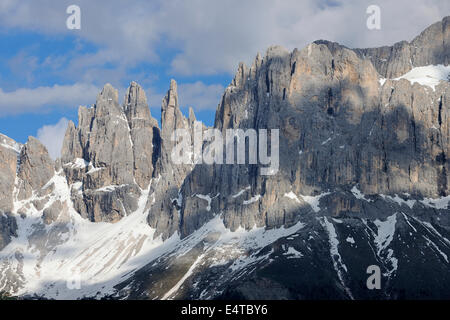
x=110, y=188
x=292, y=196
x=430, y=75
x=252, y=199
x=350, y=240
x=399, y=201
x=207, y=198
x=338, y=264
x=439, y=203
x=434, y=245
x=359, y=195
x=314, y=201
x=326, y=141
x=291, y=253
x=385, y=233
x=241, y=192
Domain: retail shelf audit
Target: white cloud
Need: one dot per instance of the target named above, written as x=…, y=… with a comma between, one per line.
x=32, y=100
x=52, y=137
x=213, y=36
x=198, y=95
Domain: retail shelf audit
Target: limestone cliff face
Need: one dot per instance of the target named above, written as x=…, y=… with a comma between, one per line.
x=340, y=126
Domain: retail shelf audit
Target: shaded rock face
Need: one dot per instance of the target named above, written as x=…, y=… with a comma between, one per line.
x=8, y=168
x=8, y=228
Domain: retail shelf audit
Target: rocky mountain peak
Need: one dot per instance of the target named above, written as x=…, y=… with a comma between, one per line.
x=135, y=103
x=35, y=167
x=108, y=93
x=107, y=102
x=192, y=118
x=171, y=116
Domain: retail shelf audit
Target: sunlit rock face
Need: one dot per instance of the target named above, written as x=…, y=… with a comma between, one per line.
x=363, y=179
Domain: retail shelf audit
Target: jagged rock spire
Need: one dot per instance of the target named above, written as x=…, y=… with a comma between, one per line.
x=192, y=117
x=171, y=116
x=135, y=103
x=144, y=134
x=107, y=101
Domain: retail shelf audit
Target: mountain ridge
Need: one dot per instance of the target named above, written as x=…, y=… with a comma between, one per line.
x=363, y=180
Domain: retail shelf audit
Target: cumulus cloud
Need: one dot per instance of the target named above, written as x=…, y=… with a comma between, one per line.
x=52, y=137
x=211, y=37
x=32, y=100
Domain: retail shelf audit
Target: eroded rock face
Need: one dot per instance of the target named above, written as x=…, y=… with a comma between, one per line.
x=340, y=126
x=36, y=168
x=144, y=132
x=109, y=157
x=165, y=202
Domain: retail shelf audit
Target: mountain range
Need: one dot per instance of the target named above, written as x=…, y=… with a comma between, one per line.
x=363, y=180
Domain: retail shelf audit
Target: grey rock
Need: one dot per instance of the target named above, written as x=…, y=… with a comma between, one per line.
x=143, y=130
x=164, y=214
x=8, y=228
x=52, y=213
x=8, y=168
x=338, y=128
x=111, y=148
x=36, y=168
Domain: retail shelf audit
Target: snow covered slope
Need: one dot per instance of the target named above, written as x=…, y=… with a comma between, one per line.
x=74, y=258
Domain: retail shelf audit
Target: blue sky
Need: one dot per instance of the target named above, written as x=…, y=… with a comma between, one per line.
x=47, y=71
x=30, y=60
